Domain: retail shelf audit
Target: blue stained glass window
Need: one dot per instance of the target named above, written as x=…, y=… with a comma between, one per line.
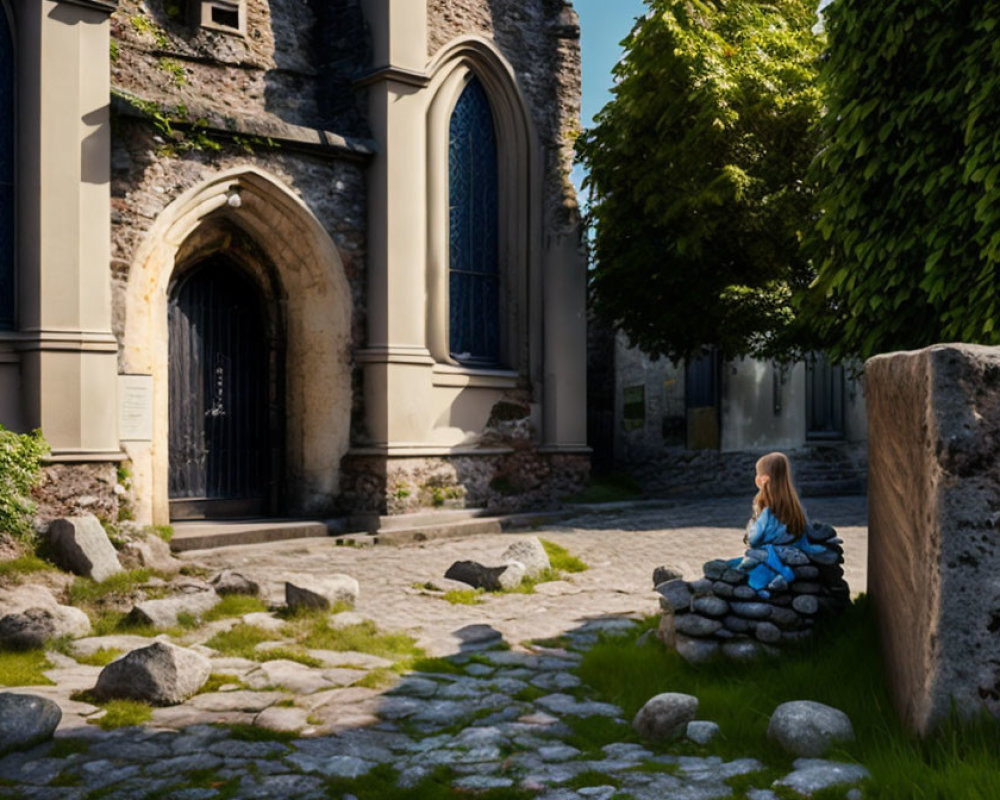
x=474, y=275
x=6, y=175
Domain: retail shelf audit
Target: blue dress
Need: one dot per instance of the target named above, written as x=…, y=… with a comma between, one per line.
x=772, y=554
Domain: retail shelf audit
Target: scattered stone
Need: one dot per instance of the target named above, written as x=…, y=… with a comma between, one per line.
x=282, y=718
x=531, y=554
x=710, y=606
x=511, y=577
x=665, y=574
x=80, y=545
x=767, y=632
x=676, y=594
x=33, y=627
x=696, y=651
x=26, y=720
x=165, y=612
x=321, y=591
x=267, y=620
x=751, y=610
x=696, y=625
x=701, y=731
x=478, y=576
x=565, y=704
x=162, y=674
x=805, y=604
x=230, y=582
x=812, y=775
x=665, y=716
x=715, y=569
x=151, y=552
x=741, y=650
x=807, y=728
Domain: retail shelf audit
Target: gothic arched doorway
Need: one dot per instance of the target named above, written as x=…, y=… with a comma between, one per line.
x=220, y=378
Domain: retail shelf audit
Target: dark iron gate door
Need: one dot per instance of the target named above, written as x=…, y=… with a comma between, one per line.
x=219, y=452
x=824, y=399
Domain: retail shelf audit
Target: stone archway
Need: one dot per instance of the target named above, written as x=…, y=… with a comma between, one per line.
x=311, y=290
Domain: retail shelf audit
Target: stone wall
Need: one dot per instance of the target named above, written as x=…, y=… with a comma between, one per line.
x=934, y=510
x=818, y=470
x=500, y=482
x=67, y=490
x=541, y=40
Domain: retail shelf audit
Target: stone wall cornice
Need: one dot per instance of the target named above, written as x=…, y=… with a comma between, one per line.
x=394, y=74
x=286, y=135
x=106, y=6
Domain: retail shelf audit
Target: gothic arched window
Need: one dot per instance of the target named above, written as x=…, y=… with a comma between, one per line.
x=6, y=174
x=474, y=274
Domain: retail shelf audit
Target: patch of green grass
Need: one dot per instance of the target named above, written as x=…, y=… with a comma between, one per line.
x=841, y=667
x=24, y=565
x=380, y=678
x=464, y=597
x=123, y=713
x=364, y=637
x=529, y=694
x=100, y=658
x=106, y=623
x=216, y=681
x=85, y=591
x=165, y=532
x=69, y=746
x=251, y=733
x=234, y=605
x=240, y=640
x=615, y=487
x=561, y=559
x=66, y=779
x=590, y=734
x=24, y=668
x=187, y=620
x=438, y=665
x=760, y=779
x=287, y=654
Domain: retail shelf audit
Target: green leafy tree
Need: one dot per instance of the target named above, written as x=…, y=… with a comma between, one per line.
x=20, y=470
x=697, y=167
x=908, y=242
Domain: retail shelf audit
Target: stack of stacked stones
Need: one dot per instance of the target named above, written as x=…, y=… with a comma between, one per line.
x=721, y=613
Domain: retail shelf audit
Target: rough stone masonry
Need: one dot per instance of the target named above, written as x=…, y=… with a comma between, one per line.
x=934, y=509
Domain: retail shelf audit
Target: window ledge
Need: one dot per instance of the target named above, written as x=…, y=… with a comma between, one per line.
x=451, y=375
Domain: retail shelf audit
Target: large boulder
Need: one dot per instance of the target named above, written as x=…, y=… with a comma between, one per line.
x=933, y=553
x=165, y=612
x=26, y=720
x=665, y=716
x=320, y=592
x=531, y=553
x=31, y=616
x=162, y=674
x=80, y=545
x=806, y=728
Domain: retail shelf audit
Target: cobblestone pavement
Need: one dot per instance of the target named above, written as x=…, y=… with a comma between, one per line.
x=494, y=718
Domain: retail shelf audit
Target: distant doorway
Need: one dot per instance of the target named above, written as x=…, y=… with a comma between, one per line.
x=219, y=441
x=824, y=400
x=701, y=399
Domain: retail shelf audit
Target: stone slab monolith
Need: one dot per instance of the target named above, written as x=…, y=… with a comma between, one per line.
x=934, y=527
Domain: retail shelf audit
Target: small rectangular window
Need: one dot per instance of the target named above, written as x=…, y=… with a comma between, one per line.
x=228, y=16
x=634, y=411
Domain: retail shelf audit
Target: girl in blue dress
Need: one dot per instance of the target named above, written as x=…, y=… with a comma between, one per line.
x=776, y=534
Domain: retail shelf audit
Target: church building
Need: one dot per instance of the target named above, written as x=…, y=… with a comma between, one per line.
x=266, y=258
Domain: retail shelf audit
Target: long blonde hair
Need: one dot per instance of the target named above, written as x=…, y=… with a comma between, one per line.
x=778, y=493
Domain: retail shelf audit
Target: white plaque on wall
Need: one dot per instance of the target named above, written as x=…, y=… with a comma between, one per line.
x=135, y=408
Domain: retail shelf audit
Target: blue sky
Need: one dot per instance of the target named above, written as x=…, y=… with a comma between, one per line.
x=603, y=24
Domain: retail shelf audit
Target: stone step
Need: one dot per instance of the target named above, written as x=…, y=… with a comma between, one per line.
x=439, y=530
x=372, y=522
x=203, y=535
